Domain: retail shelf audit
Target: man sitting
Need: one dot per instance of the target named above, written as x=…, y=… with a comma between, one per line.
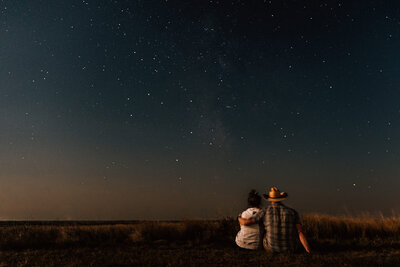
x=282, y=224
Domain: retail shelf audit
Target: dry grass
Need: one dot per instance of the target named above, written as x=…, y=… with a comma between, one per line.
x=39, y=236
x=322, y=227
x=336, y=241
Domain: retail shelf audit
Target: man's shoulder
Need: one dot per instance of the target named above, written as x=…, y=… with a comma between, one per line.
x=282, y=207
x=289, y=208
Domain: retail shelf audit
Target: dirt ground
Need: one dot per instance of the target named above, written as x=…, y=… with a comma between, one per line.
x=164, y=254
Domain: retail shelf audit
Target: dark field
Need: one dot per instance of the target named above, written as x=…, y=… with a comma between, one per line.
x=335, y=242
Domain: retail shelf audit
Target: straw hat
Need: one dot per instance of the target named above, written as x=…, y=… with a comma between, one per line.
x=275, y=195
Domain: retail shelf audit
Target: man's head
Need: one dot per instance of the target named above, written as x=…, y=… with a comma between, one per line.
x=254, y=199
x=275, y=195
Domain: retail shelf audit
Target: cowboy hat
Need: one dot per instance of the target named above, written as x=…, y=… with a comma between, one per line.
x=275, y=195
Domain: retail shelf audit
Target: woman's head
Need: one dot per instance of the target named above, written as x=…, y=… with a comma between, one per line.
x=254, y=200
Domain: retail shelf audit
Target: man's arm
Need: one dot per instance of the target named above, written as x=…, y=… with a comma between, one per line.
x=303, y=238
x=246, y=221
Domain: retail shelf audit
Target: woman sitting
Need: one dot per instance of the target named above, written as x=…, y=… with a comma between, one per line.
x=249, y=236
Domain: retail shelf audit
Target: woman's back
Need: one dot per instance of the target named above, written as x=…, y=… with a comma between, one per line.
x=249, y=236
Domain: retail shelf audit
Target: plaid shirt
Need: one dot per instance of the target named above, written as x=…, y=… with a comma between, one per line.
x=280, y=226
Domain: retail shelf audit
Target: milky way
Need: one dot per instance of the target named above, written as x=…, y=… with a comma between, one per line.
x=174, y=109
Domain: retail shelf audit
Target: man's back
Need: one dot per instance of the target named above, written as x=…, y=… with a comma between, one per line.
x=280, y=225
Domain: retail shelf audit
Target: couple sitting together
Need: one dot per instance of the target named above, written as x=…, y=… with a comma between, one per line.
x=281, y=224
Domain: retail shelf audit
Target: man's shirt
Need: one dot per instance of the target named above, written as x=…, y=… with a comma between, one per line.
x=280, y=226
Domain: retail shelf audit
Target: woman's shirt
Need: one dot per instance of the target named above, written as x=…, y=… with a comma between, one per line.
x=249, y=236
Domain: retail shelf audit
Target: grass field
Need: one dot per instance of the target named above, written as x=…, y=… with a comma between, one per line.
x=335, y=241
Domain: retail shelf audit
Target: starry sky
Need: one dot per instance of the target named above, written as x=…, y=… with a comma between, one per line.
x=176, y=109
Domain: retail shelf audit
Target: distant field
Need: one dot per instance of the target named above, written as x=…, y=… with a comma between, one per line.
x=335, y=241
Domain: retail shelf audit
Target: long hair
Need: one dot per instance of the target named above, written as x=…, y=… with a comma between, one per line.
x=254, y=199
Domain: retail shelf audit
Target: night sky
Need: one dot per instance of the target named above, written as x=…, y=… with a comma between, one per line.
x=176, y=109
